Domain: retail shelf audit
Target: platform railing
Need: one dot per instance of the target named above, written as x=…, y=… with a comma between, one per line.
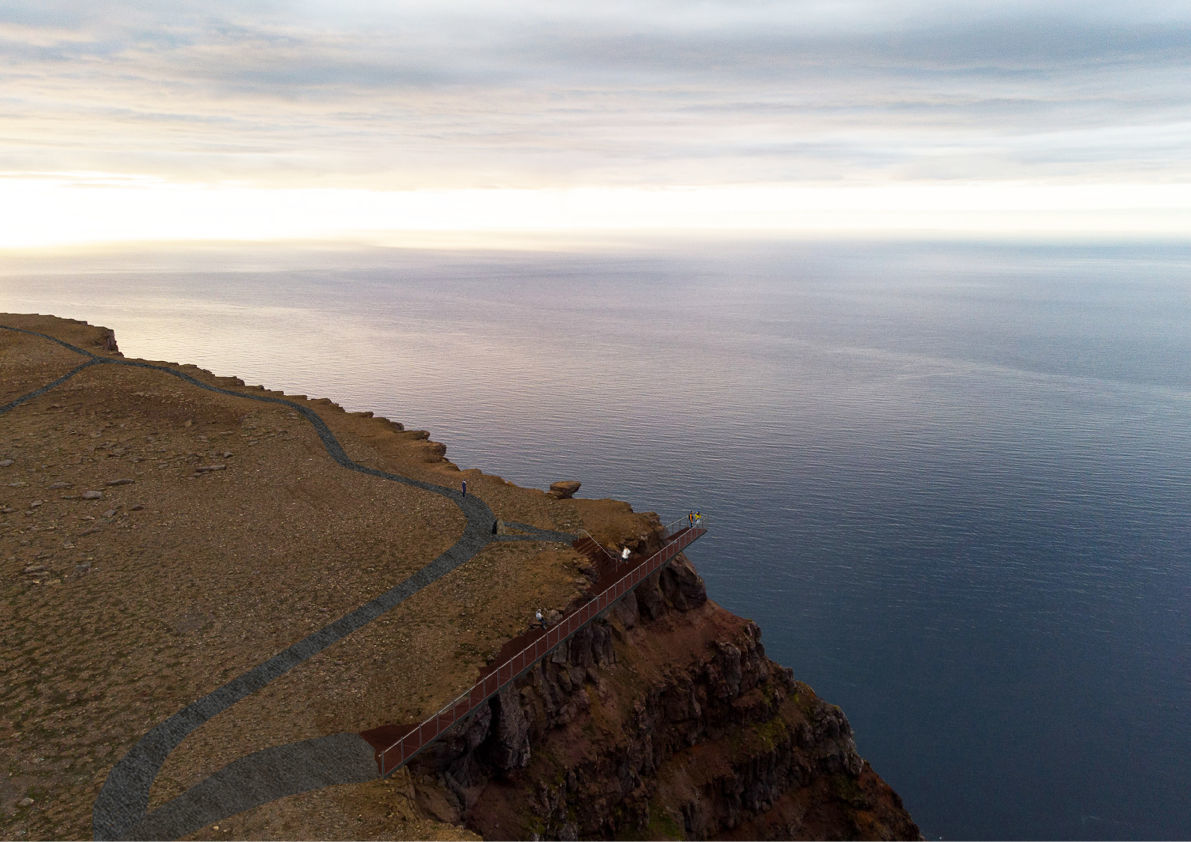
x=397, y=754
x=685, y=522
x=593, y=540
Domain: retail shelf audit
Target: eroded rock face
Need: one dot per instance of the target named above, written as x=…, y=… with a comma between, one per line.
x=664, y=719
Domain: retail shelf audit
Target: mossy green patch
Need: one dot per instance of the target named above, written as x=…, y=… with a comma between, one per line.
x=663, y=825
x=773, y=733
x=847, y=789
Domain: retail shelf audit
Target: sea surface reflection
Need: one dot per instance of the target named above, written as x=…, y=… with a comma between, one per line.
x=950, y=481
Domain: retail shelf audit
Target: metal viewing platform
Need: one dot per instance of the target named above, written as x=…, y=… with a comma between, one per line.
x=416, y=738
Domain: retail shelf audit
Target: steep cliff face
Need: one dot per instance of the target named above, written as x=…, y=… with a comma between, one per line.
x=662, y=720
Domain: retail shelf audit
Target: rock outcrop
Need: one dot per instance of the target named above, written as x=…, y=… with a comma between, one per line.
x=663, y=719
x=563, y=490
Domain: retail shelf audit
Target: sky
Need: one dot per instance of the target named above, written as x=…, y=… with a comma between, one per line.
x=255, y=119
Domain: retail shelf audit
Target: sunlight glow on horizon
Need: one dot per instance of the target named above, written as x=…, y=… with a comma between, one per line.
x=69, y=209
x=150, y=122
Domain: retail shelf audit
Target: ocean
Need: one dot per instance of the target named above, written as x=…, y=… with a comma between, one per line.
x=950, y=481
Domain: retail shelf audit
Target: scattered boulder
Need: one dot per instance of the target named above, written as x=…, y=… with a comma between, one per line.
x=92, y=495
x=203, y=469
x=4, y=463
x=122, y=481
x=563, y=490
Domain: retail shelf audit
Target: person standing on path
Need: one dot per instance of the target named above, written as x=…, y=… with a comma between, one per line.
x=624, y=555
x=691, y=517
x=465, y=488
x=541, y=619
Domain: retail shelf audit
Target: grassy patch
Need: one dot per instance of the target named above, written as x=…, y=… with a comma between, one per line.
x=847, y=789
x=773, y=733
x=663, y=825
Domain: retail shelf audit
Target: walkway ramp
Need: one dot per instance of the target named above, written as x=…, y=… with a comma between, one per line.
x=408, y=741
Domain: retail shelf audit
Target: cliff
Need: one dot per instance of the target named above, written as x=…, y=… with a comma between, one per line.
x=170, y=534
x=664, y=720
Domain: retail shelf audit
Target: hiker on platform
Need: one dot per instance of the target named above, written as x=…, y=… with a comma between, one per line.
x=625, y=553
x=540, y=618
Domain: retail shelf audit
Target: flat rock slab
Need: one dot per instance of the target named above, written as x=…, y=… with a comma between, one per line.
x=563, y=490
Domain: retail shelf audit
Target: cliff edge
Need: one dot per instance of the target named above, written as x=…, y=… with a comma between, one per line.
x=665, y=720
x=167, y=532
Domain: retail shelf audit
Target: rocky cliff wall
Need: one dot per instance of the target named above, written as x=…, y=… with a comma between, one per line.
x=662, y=720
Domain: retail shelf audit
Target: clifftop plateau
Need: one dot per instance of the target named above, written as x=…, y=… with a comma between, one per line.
x=166, y=533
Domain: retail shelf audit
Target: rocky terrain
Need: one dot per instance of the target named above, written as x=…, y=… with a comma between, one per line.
x=665, y=720
x=157, y=540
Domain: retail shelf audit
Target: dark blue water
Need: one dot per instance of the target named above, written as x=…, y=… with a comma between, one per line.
x=951, y=482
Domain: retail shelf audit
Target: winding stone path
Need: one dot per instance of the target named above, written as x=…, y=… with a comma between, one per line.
x=120, y=809
x=259, y=778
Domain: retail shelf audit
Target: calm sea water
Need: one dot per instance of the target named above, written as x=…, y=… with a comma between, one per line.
x=950, y=482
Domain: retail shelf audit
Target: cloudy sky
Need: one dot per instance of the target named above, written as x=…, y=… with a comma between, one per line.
x=253, y=118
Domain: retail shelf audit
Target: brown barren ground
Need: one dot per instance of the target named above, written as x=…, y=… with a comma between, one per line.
x=117, y=612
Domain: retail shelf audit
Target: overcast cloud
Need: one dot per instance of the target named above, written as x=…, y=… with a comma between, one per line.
x=530, y=94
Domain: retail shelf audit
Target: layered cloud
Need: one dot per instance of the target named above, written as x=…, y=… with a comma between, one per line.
x=532, y=95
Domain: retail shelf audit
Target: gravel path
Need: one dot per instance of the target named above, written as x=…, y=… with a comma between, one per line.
x=120, y=809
